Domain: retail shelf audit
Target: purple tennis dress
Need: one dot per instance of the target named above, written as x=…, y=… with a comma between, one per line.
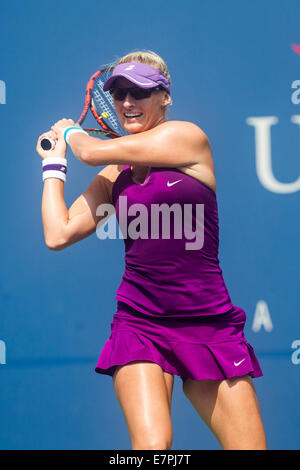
x=173, y=307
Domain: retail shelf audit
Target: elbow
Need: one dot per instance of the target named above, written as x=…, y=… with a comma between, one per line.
x=85, y=148
x=92, y=153
x=55, y=245
x=86, y=156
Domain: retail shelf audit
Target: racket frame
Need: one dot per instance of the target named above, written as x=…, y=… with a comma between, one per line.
x=105, y=130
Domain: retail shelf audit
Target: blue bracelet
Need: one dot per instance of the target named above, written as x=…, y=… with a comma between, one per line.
x=74, y=129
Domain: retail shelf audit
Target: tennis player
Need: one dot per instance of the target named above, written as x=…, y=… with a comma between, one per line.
x=174, y=313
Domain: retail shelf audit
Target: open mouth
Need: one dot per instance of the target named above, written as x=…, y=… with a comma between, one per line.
x=132, y=115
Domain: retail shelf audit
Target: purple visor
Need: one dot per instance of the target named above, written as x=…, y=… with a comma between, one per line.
x=142, y=75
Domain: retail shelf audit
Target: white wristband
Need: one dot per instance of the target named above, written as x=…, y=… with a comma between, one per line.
x=54, y=174
x=68, y=131
x=55, y=167
x=59, y=160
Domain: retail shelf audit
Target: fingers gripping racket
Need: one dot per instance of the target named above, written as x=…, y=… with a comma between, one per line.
x=102, y=107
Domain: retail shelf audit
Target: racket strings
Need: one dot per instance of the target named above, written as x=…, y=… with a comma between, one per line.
x=104, y=105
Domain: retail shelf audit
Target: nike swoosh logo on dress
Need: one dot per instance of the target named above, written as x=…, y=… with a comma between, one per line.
x=174, y=182
x=240, y=362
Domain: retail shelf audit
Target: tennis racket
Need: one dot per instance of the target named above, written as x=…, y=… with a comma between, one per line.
x=102, y=107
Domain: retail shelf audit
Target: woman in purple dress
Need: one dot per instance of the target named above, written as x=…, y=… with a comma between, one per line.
x=174, y=313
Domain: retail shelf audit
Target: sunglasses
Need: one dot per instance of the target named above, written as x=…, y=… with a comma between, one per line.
x=137, y=93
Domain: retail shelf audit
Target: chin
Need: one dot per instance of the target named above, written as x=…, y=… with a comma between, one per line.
x=134, y=128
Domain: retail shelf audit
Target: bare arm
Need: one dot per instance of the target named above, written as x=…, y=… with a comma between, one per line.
x=63, y=227
x=169, y=144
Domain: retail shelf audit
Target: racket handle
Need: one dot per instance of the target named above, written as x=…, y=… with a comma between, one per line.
x=47, y=144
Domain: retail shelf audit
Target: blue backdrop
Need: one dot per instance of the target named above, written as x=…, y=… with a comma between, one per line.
x=234, y=67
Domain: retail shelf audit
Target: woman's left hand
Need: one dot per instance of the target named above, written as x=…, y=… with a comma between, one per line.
x=60, y=125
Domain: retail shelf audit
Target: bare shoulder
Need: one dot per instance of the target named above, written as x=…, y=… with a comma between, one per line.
x=203, y=167
x=111, y=172
x=185, y=130
x=105, y=179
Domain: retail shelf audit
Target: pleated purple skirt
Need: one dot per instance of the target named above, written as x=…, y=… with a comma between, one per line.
x=207, y=347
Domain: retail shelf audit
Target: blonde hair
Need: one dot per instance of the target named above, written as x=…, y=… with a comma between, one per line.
x=146, y=57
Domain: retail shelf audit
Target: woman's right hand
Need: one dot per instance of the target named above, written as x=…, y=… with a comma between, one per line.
x=60, y=145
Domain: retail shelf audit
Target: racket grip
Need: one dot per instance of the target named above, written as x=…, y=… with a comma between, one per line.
x=47, y=144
